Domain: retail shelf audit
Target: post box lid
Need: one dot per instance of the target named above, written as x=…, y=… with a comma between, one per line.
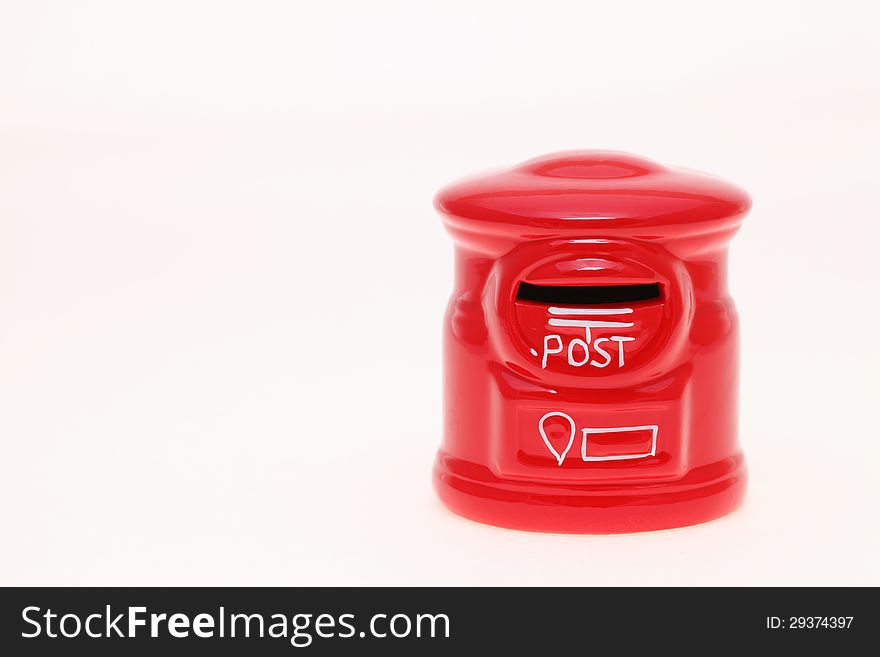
x=593, y=191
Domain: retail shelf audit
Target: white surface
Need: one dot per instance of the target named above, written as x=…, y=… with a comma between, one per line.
x=222, y=280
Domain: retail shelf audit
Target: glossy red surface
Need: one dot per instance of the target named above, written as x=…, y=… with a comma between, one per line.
x=591, y=416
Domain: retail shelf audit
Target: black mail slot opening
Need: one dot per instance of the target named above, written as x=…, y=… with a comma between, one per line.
x=587, y=295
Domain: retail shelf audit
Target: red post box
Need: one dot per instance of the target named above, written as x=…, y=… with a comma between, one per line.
x=591, y=347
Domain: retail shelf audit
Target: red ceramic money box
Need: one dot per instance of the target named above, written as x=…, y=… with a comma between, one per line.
x=591, y=347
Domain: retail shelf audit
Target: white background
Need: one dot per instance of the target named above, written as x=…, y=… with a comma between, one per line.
x=222, y=279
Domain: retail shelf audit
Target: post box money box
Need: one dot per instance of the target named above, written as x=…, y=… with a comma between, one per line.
x=591, y=347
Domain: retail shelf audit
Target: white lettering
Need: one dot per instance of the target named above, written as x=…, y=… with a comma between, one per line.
x=203, y=626
x=547, y=352
x=571, y=357
x=89, y=625
x=602, y=352
x=155, y=619
x=577, y=342
x=134, y=621
x=178, y=625
x=24, y=616
x=619, y=339
x=112, y=625
x=76, y=623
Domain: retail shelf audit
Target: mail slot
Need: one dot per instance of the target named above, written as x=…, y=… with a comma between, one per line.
x=590, y=346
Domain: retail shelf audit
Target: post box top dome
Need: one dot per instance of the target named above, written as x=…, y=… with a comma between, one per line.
x=592, y=192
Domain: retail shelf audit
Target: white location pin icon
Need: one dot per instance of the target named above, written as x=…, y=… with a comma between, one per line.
x=560, y=457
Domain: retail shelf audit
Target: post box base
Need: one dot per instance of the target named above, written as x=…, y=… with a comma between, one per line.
x=701, y=495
